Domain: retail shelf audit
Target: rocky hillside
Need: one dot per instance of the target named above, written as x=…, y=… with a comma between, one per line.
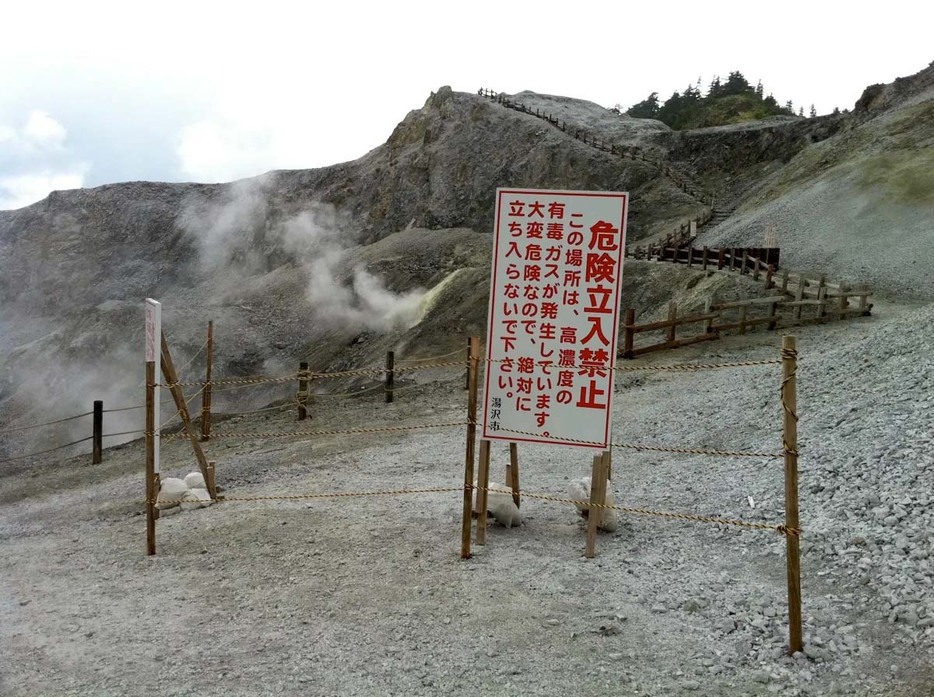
x=334, y=264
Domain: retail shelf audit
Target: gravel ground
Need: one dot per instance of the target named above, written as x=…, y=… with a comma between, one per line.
x=366, y=596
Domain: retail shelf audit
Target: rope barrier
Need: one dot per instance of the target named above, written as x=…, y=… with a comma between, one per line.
x=302, y=497
x=178, y=371
x=291, y=405
x=781, y=529
x=122, y=433
x=404, y=361
x=231, y=381
x=431, y=365
x=47, y=423
x=43, y=452
x=674, y=367
x=286, y=434
x=659, y=448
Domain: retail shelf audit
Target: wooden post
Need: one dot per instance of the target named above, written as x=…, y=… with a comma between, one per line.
x=206, y=394
x=513, y=479
x=467, y=372
x=821, y=302
x=390, y=375
x=628, y=332
x=472, y=382
x=745, y=267
x=302, y=396
x=790, y=441
x=769, y=272
x=720, y=253
x=672, y=317
x=151, y=491
x=483, y=484
x=704, y=261
x=844, y=289
x=773, y=311
x=168, y=370
x=708, y=324
x=97, y=433
x=799, y=294
x=598, y=498
x=690, y=257
x=784, y=281
x=755, y=268
x=742, y=319
x=211, y=480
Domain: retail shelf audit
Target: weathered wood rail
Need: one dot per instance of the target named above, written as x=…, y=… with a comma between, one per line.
x=773, y=312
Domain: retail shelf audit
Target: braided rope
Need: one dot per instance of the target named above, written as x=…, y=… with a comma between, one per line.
x=781, y=529
x=272, y=434
x=302, y=497
x=675, y=367
x=657, y=448
x=47, y=423
x=405, y=361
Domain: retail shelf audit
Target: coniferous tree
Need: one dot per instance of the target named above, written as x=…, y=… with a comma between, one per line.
x=790, y=106
x=813, y=111
x=646, y=109
x=801, y=111
x=759, y=90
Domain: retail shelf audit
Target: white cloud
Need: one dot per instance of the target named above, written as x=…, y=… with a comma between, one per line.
x=34, y=160
x=20, y=190
x=44, y=132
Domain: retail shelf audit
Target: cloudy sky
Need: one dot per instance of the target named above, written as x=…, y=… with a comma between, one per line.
x=97, y=92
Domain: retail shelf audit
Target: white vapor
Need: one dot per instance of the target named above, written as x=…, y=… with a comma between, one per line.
x=238, y=235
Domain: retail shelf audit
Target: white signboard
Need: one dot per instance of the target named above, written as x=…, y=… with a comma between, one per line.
x=554, y=316
x=154, y=353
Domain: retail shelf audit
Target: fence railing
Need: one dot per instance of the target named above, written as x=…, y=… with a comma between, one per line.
x=773, y=312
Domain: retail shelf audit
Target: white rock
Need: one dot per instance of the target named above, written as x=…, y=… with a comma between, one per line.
x=579, y=490
x=500, y=506
x=195, y=480
x=171, y=492
x=195, y=498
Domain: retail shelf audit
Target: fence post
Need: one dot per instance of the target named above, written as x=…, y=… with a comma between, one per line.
x=483, y=485
x=744, y=268
x=720, y=253
x=206, y=394
x=672, y=317
x=821, y=293
x=598, y=486
x=467, y=372
x=513, y=478
x=770, y=270
x=302, y=396
x=97, y=433
x=784, y=281
x=211, y=480
x=151, y=491
x=790, y=442
x=472, y=379
x=390, y=375
x=629, y=332
x=844, y=298
x=704, y=261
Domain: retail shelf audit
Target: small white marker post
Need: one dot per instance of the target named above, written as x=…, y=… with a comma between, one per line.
x=153, y=378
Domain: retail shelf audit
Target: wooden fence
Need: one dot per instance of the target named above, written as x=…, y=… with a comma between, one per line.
x=752, y=260
x=774, y=312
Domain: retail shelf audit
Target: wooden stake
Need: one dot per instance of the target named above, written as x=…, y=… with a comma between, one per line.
x=799, y=294
x=704, y=258
x=467, y=372
x=472, y=385
x=672, y=317
x=513, y=480
x=720, y=254
x=390, y=374
x=790, y=438
x=784, y=281
x=483, y=483
x=598, y=497
x=97, y=433
x=211, y=480
x=151, y=491
x=628, y=332
x=742, y=319
x=206, y=394
x=168, y=370
x=302, y=396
